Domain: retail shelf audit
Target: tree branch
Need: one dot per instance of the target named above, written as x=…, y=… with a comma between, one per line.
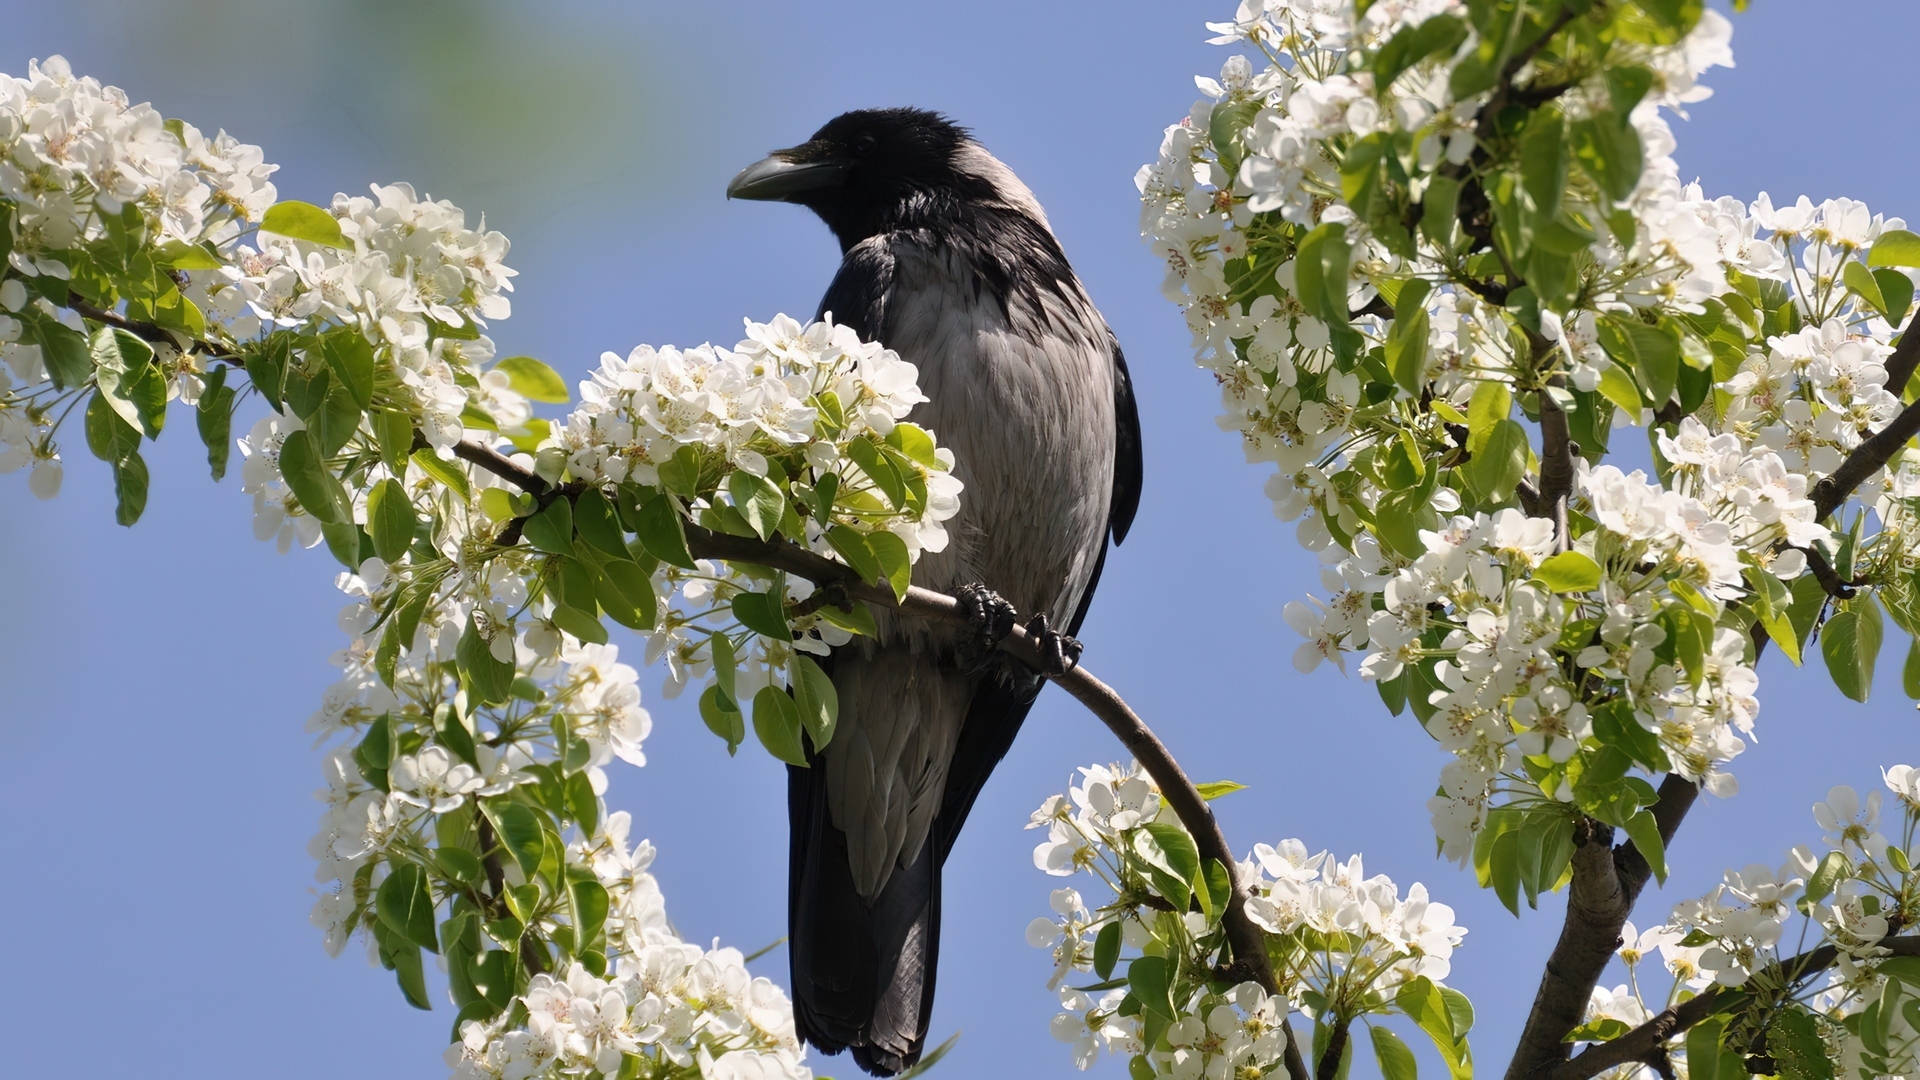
x=1606, y=883
x=1556, y=467
x=1650, y=1038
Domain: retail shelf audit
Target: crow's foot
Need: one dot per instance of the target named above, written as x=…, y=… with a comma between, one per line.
x=991, y=617
x=1059, y=653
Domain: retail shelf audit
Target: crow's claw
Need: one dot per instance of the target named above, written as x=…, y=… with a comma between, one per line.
x=1059, y=653
x=992, y=618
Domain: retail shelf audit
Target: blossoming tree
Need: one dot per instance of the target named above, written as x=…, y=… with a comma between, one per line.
x=1440, y=262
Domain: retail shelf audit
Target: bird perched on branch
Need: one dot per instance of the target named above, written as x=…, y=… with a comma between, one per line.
x=950, y=262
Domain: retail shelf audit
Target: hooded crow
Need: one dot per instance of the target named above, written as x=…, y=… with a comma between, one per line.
x=949, y=261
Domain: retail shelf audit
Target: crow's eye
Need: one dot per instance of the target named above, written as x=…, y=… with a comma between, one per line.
x=865, y=143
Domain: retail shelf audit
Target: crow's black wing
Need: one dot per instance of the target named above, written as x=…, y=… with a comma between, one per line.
x=1127, y=466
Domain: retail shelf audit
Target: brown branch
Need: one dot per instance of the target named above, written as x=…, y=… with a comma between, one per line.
x=1606, y=883
x=1556, y=467
x=1900, y=365
x=1829, y=578
x=1336, y=1049
x=1650, y=1038
x=153, y=333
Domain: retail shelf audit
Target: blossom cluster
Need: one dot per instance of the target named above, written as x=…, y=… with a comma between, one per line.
x=77, y=159
x=1346, y=944
x=1433, y=317
x=1852, y=898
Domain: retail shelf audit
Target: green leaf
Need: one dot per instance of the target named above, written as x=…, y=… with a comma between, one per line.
x=1396, y=1061
x=1495, y=472
x=452, y=476
x=126, y=375
x=1897, y=288
x=1543, y=161
x=1320, y=273
x=1106, y=950
x=1833, y=869
x=658, y=526
x=722, y=720
x=1850, y=644
x=63, y=348
x=1895, y=247
x=625, y=593
x=1569, y=572
x=758, y=500
x=109, y=436
x=1910, y=673
x=1608, y=148
x=1439, y=35
x=763, y=614
x=1438, y=208
x=1434, y=1011
x=1492, y=402
x=489, y=681
x=1651, y=352
x=589, y=909
x=351, y=359
x=534, y=379
x=214, y=418
x=1862, y=282
x=854, y=550
x=318, y=490
x=304, y=221
x=1170, y=872
x=1406, y=348
x=881, y=471
x=818, y=702
x=917, y=444
x=1704, y=1053
x=1214, y=789
x=405, y=906
x=551, y=530
x=777, y=722
x=519, y=830
x=391, y=520
x=404, y=957
x=1645, y=833
x=1150, y=983
x=896, y=566
x=129, y=488
x=597, y=524
x=336, y=420
x=393, y=431
x=1798, y=1051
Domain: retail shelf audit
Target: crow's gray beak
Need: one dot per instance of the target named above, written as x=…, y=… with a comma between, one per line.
x=777, y=177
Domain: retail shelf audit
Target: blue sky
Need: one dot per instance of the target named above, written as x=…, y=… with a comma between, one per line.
x=154, y=681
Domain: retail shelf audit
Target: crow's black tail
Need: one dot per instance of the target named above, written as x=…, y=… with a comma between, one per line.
x=863, y=973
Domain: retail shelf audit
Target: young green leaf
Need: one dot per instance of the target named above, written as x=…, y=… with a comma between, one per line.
x=303, y=221
x=1396, y=1061
x=391, y=520
x=534, y=379
x=1569, y=572
x=405, y=906
x=776, y=721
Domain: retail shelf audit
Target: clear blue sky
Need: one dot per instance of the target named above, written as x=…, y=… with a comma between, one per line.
x=153, y=682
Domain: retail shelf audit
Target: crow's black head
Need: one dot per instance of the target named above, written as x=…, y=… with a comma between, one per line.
x=867, y=170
